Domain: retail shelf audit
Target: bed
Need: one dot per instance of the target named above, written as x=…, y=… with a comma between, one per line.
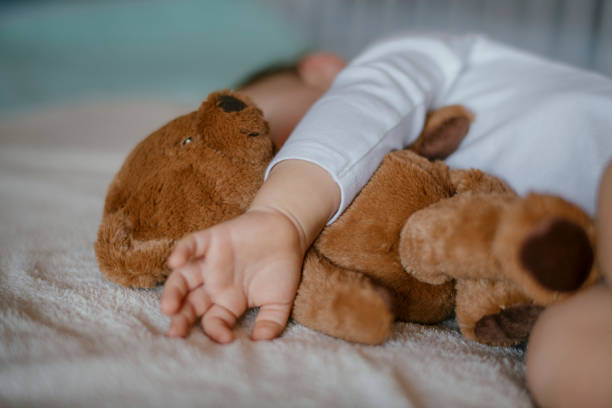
x=68, y=337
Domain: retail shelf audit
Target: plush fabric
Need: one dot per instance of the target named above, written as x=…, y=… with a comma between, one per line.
x=68, y=337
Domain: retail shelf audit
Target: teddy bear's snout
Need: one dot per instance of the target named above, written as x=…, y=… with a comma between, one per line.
x=230, y=104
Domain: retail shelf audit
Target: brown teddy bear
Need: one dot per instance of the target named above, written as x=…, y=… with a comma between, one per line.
x=420, y=242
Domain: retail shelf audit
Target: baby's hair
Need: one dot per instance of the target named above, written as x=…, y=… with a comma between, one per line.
x=289, y=66
x=269, y=70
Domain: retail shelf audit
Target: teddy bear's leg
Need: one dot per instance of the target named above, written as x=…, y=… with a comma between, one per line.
x=494, y=312
x=547, y=246
x=452, y=239
x=342, y=303
x=542, y=243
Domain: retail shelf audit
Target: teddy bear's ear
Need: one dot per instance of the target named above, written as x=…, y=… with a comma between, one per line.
x=444, y=130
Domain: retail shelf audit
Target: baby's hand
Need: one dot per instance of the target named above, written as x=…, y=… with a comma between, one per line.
x=252, y=260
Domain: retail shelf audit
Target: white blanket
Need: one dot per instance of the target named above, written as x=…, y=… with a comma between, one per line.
x=70, y=338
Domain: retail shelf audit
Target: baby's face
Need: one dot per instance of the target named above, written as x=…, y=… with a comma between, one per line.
x=284, y=97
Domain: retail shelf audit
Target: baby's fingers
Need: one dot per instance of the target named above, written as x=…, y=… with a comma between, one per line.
x=271, y=321
x=218, y=324
x=197, y=303
x=178, y=285
x=193, y=245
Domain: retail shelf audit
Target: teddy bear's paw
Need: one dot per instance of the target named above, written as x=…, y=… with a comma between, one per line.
x=558, y=254
x=360, y=314
x=365, y=316
x=509, y=326
x=342, y=303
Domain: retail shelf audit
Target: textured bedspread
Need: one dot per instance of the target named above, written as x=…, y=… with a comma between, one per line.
x=70, y=338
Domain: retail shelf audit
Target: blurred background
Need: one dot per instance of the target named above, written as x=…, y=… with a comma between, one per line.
x=67, y=51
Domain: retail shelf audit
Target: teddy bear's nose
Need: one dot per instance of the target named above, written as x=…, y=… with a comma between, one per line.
x=230, y=104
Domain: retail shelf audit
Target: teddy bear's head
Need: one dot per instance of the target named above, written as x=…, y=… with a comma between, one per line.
x=196, y=171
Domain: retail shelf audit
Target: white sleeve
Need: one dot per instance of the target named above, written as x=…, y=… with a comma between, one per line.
x=376, y=104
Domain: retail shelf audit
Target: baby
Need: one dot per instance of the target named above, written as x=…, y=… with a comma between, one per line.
x=539, y=125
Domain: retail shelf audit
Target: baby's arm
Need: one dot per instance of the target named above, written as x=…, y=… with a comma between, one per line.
x=252, y=260
x=376, y=105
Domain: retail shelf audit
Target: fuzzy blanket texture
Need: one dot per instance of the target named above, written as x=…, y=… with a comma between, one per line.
x=68, y=337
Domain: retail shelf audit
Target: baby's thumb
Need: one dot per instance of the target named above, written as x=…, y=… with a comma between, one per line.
x=270, y=321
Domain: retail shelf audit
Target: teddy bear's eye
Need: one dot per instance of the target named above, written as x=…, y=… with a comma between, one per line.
x=186, y=141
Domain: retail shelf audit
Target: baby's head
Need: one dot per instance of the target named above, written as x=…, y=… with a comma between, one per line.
x=285, y=95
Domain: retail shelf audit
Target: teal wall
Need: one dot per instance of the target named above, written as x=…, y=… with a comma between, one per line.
x=65, y=51
x=61, y=51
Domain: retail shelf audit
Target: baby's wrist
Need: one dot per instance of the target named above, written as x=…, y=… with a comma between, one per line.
x=304, y=193
x=286, y=226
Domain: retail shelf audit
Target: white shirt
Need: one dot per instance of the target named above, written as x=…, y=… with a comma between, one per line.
x=540, y=125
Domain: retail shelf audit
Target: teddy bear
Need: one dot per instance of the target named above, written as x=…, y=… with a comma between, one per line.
x=419, y=243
